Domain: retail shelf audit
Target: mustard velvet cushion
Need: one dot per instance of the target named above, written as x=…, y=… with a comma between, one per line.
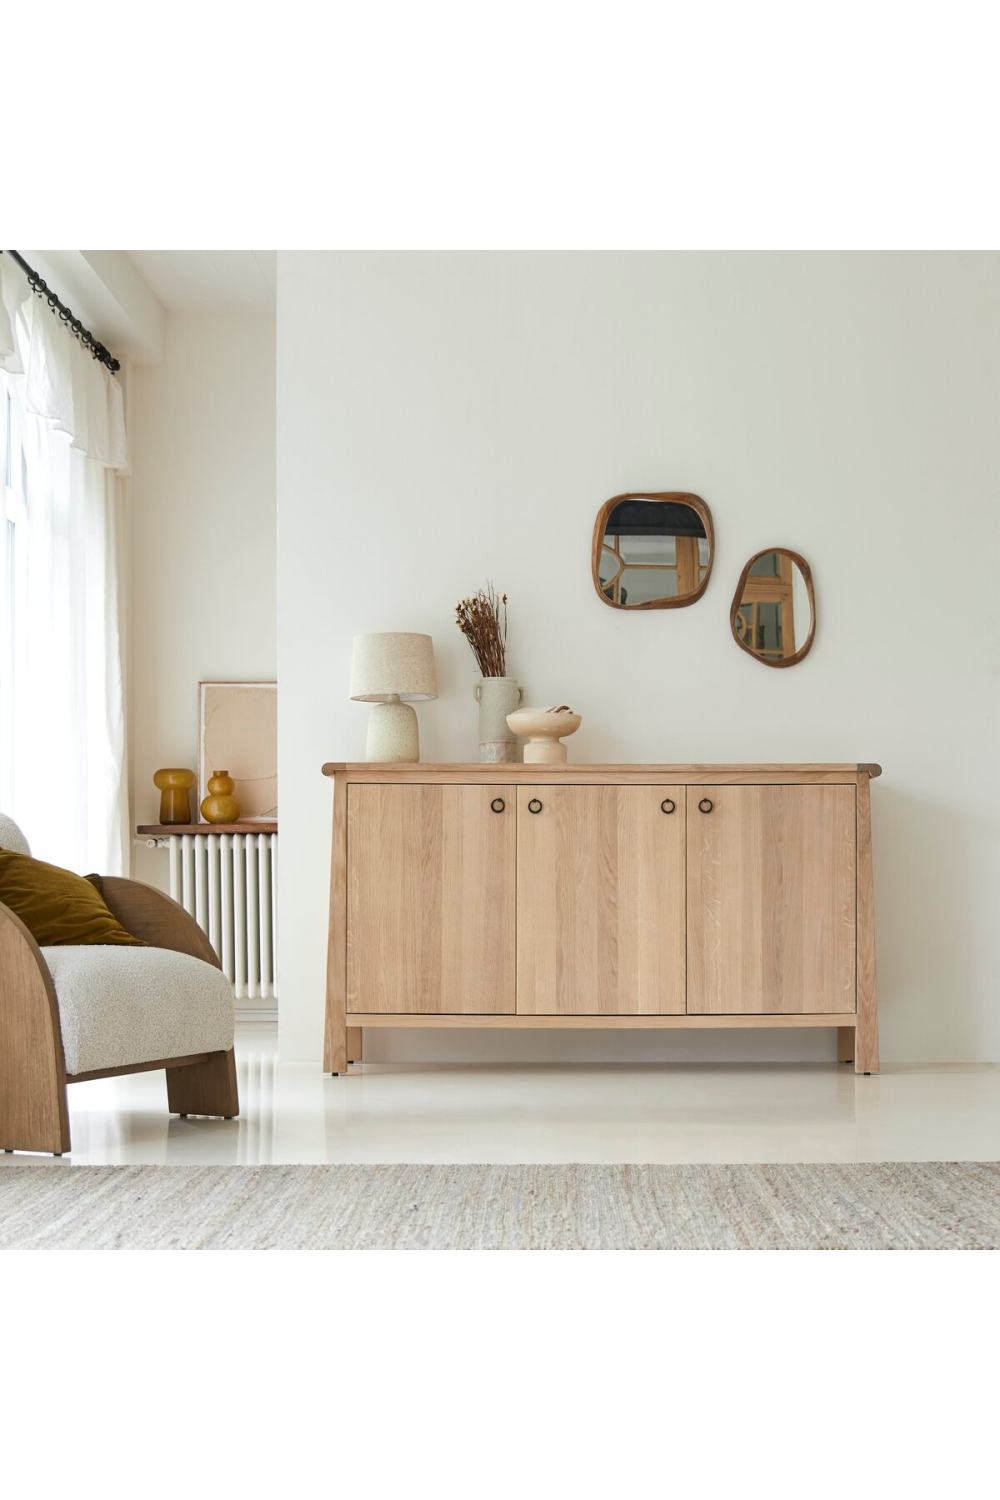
x=57, y=906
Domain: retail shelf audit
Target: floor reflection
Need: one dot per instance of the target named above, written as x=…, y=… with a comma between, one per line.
x=620, y=1112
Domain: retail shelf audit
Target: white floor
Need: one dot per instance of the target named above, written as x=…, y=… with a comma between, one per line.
x=612, y=1113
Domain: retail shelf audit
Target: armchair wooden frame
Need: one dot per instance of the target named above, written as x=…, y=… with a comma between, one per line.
x=33, y=1077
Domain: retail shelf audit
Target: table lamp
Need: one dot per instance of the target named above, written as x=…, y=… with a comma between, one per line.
x=393, y=669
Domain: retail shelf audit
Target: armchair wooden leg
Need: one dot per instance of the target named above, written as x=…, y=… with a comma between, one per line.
x=33, y=1113
x=207, y=1088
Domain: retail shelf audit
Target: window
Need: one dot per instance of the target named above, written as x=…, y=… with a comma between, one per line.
x=13, y=572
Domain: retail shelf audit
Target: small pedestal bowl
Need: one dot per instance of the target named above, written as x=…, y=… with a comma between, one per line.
x=543, y=728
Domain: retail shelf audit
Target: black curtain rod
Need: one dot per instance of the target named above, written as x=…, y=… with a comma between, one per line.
x=38, y=286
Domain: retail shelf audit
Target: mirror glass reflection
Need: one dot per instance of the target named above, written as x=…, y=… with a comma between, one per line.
x=773, y=612
x=653, y=552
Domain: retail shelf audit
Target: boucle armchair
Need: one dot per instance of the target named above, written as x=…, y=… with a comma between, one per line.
x=72, y=1013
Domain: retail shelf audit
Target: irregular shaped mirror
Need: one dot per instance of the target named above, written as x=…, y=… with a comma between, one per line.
x=773, y=615
x=652, y=551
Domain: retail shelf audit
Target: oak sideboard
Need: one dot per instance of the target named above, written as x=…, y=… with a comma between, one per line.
x=601, y=896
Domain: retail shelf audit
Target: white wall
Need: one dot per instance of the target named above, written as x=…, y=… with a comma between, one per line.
x=203, y=537
x=443, y=419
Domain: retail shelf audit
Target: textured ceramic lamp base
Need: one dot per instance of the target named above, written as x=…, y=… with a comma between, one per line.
x=393, y=732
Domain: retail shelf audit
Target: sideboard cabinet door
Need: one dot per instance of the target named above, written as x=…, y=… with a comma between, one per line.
x=771, y=899
x=430, y=899
x=600, y=900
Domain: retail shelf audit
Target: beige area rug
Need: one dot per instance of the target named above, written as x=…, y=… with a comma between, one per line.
x=860, y=1206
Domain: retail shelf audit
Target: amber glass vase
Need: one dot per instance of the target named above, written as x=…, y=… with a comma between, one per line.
x=175, y=794
x=220, y=806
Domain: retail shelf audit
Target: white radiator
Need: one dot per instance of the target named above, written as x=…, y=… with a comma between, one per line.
x=229, y=884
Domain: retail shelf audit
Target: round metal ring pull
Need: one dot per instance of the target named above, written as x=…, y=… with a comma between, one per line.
x=497, y=804
x=534, y=806
x=668, y=805
x=705, y=805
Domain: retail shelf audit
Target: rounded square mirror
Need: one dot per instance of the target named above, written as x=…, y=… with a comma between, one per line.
x=773, y=614
x=652, y=551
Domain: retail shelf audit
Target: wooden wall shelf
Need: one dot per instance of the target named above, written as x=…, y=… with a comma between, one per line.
x=163, y=830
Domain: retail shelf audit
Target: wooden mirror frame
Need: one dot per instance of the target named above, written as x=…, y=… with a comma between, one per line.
x=680, y=497
x=800, y=562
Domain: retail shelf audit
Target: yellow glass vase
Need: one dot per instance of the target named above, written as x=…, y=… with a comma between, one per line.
x=220, y=806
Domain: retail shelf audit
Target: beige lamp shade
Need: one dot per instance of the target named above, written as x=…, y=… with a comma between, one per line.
x=393, y=663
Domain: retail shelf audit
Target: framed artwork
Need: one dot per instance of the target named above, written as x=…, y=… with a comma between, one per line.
x=238, y=733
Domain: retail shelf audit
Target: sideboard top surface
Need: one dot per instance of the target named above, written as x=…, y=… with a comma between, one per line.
x=580, y=773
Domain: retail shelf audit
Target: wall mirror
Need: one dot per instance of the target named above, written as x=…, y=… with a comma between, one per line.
x=773, y=615
x=652, y=551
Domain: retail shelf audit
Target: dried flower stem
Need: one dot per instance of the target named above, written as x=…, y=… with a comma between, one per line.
x=482, y=619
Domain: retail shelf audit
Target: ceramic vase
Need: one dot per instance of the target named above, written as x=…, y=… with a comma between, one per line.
x=497, y=697
x=544, y=728
x=220, y=806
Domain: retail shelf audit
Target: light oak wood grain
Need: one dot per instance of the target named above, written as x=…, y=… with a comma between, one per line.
x=866, y=1058
x=607, y=1023
x=430, y=898
x=33, y=1115
x=335, y=1045
x=780, y=911
x=600, y=900
x=771, y=899
x=402, y=774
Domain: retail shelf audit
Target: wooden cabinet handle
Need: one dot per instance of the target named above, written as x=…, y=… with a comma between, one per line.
x=705, y=805
x=668, y=805
x=534, y=806
x=497, y=805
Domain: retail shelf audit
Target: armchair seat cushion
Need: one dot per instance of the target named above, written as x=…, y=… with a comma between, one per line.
x=121, y=1006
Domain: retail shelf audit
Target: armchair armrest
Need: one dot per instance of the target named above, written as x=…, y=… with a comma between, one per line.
x=155, y=917
x=32, y=1067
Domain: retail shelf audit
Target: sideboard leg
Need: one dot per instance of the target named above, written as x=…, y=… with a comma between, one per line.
x=866, y=1037
x=845, y=1044
x=354, y=1044
x=335, y=1050
x=335, y=1047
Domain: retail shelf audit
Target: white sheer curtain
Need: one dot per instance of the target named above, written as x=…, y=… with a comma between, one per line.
x=62, y=685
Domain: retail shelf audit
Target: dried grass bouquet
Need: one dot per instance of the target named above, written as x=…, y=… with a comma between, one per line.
x=483, y=621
